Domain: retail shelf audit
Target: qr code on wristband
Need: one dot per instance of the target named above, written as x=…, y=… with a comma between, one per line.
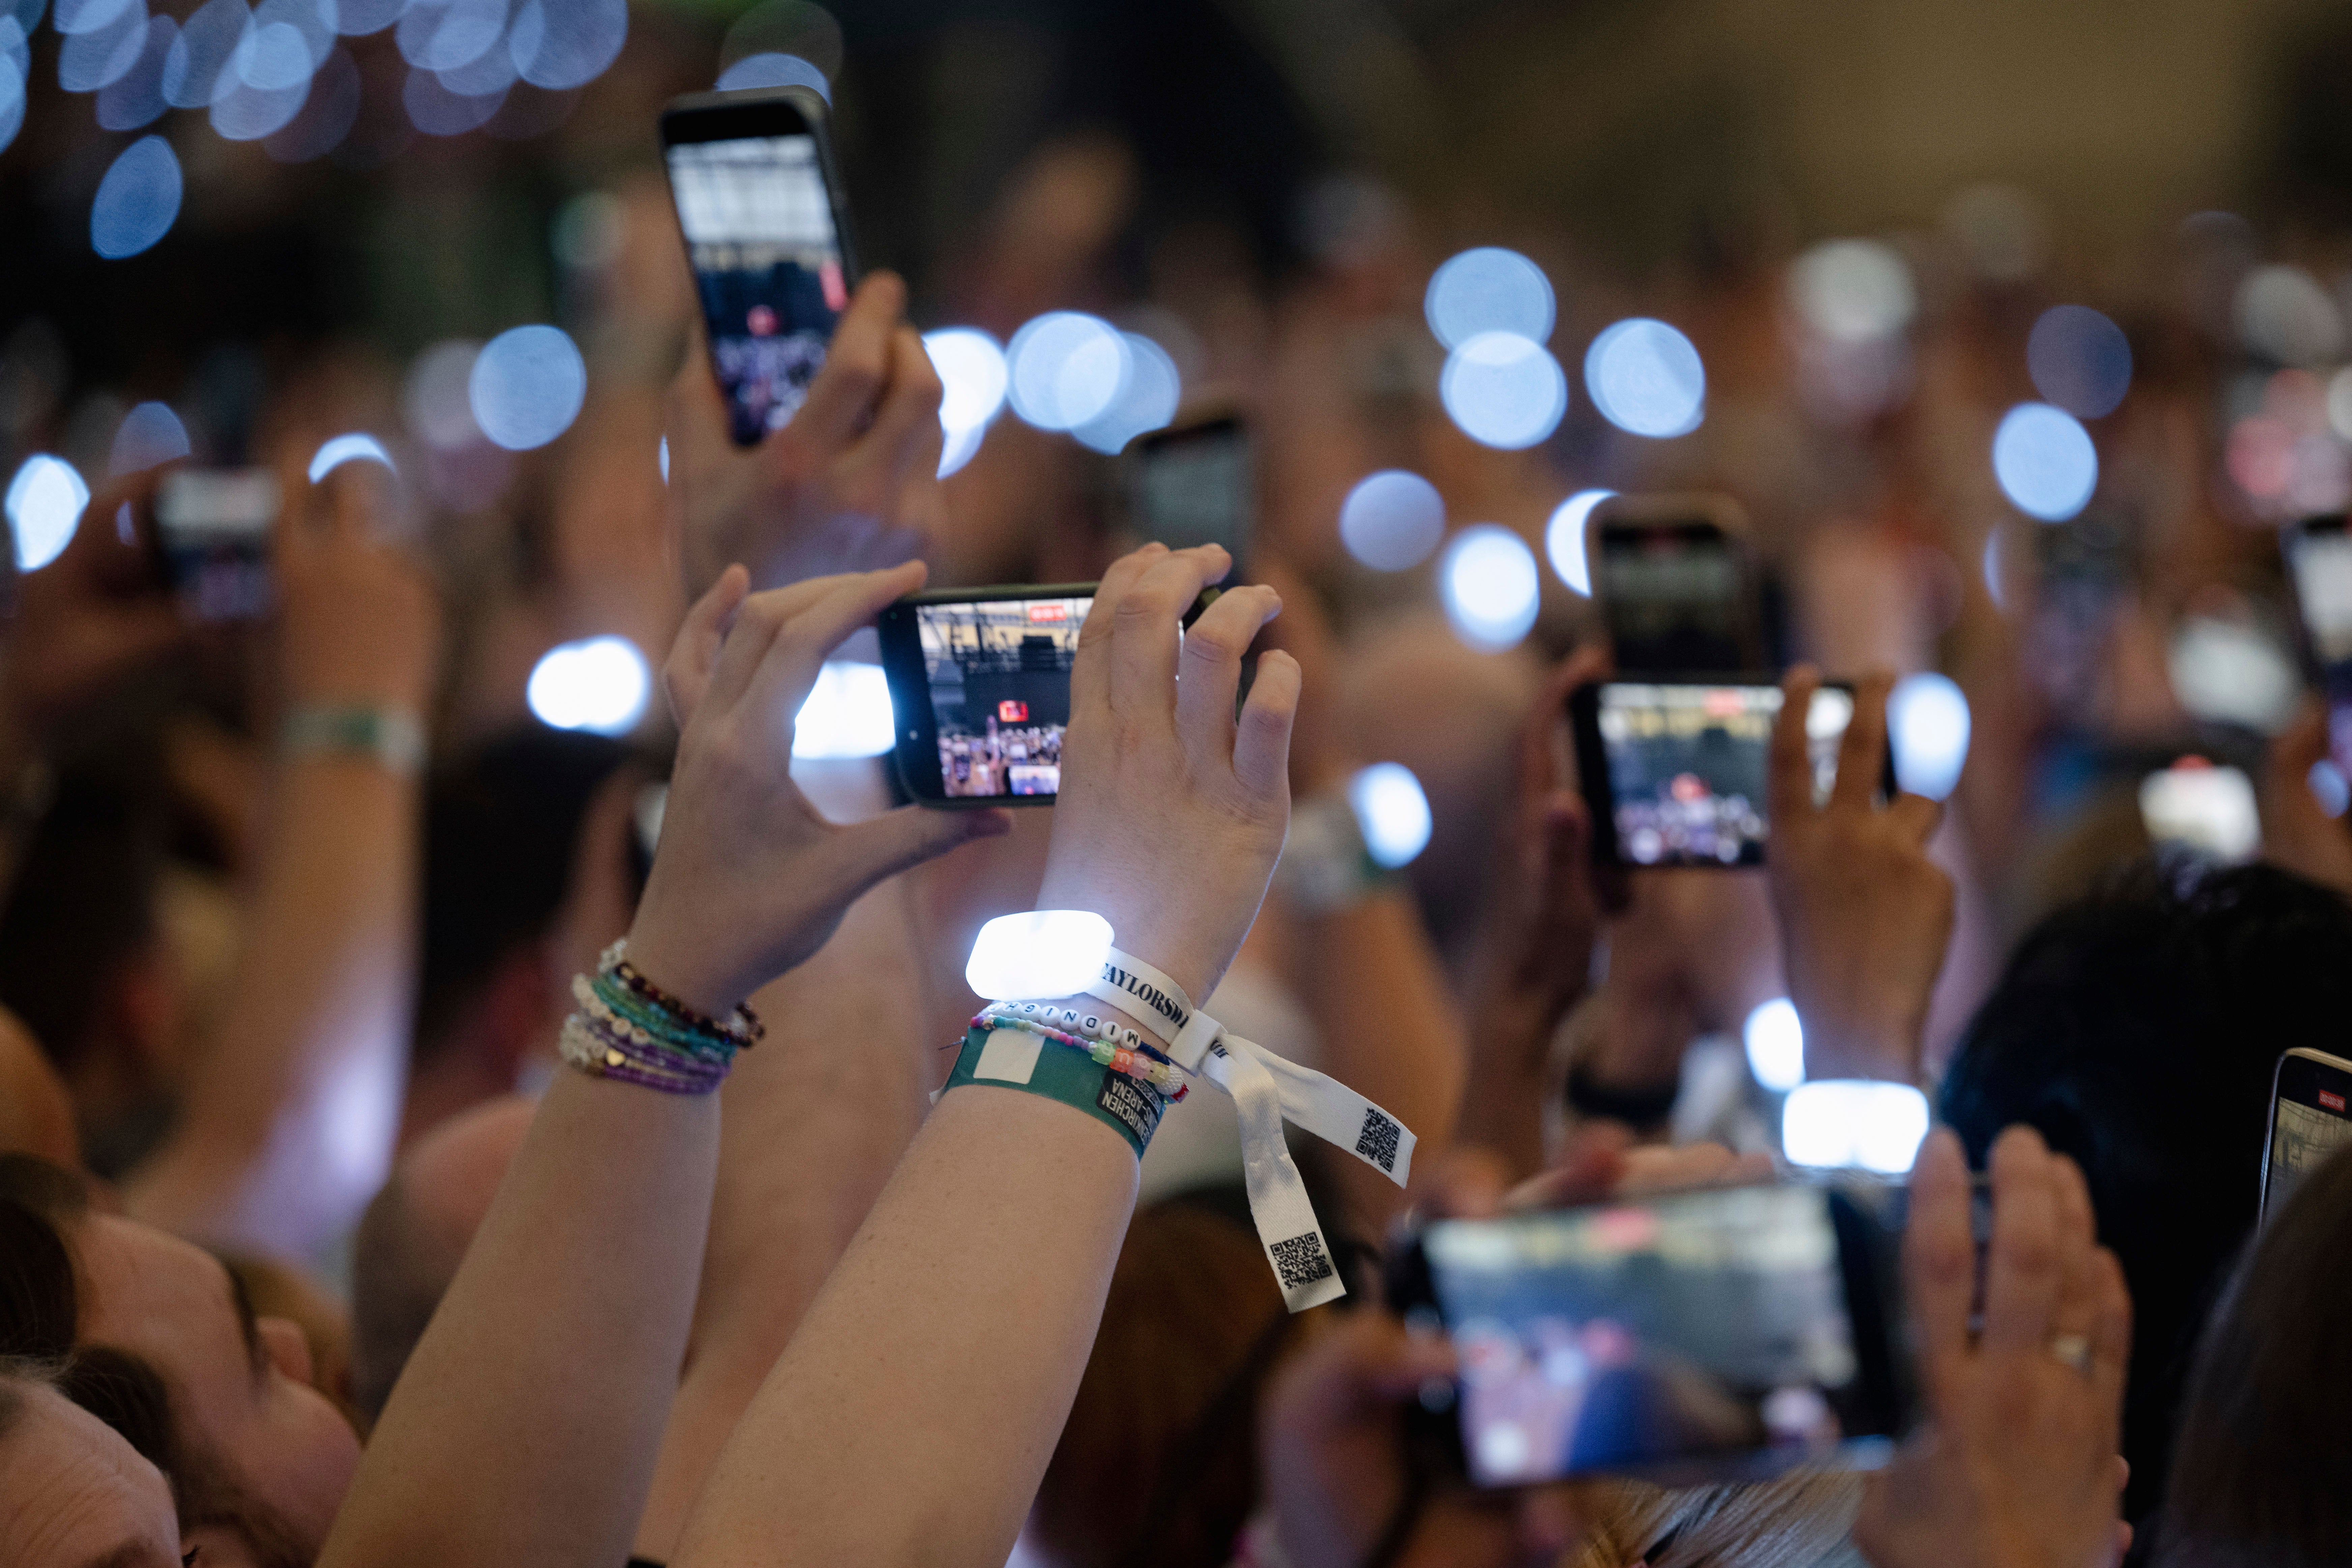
x=1378, y=1140
x=1301, y=1260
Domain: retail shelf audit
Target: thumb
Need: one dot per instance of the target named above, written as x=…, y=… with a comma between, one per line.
x=867, y=852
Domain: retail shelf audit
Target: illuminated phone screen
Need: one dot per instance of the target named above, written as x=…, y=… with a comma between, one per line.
x=1687, y=766
x=2311, y=1119
x=998, y=672
x=767, y=264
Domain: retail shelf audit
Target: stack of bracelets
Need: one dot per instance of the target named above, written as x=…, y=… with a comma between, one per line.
x=1121, y=1049
x=629, y=1028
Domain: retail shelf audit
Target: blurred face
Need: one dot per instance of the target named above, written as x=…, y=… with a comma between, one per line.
x=73, y=1494
x=240, y=1385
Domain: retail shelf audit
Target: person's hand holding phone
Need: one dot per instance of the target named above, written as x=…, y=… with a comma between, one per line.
x=749, y=878
x=359, y=623
x=83, y=619
x=849, y=485
x=2016, y=1465
x=1865, y=915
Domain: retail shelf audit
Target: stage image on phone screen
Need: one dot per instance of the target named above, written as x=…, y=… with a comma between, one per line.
x=767, y=264
x=1631, y=1335
x=2302, y=1137
x=1688, y=763
x=999, y=672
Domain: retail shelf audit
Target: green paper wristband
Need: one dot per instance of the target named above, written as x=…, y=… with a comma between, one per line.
x=1008, y=1058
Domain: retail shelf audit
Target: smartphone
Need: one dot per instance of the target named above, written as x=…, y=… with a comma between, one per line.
x=1195, y=485
x=2311, y=1118
x=1676, y=770
x=1729, y=1334
x=767, y=236
x=1677, y=583
x=980, y=684
x=2206, y=809
x=212, y=539
x=2319, y=560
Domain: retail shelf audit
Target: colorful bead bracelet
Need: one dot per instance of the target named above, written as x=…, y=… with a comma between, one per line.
x=630, y=1029
x=742, y=1025
x=1134, y=1061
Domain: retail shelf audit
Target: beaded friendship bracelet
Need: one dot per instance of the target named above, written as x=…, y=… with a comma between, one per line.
x=587, y=1045
x=630, y=1029
x=742, y=1025
x=1108, y=1048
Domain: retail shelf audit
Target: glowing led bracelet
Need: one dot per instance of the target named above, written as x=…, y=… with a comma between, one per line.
x=1037, y=956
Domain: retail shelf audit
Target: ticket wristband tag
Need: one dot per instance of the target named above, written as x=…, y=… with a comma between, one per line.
x=1150, y=996
x=1336, y=1113
x=1012, y=1058
x=1285, y=1216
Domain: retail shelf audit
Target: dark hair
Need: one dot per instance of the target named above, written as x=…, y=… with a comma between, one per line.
x=500, y=828
x=2137, y=1031
x=2258, y=1477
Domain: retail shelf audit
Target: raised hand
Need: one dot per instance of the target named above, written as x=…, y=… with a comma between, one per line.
x=749, y=878
x=2297, y=834
x=359, y=622
x=1865, y=915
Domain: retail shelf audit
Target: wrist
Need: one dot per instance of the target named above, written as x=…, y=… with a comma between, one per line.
x=388, y=734
x=668, y=957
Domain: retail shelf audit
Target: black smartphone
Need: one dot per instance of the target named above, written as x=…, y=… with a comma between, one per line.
x=2319, y=560
x=979, y=684
x=1195, y=485
x=2311, y=1118
x=212, y=540
x=1677, y=583
x=1722, y=1335
x=767, y=234
x=1676, y=770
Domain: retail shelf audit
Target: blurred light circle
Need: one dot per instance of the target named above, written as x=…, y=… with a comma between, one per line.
x=443, y=35
x=2079, y=360
x=136, y=98
x=74, y=17
x=2340, y=403
x=1147, y=399
x=527, y=386
x=2045, y=461
x=2284, y=314
x=137, y=200
x=2260, y=456
x=1853, y=290
x=568, y=44
x=44, y=504
x=2225, y=672
x=14, y=63
x=1504, y=390
x=847, y=713
x=1841, y=1123
x=2329, y=787
x=88, y=62
x=1564, y=539
x=1489, y=290
x=1391, y=520
x=972, y=375
x=272, y=56
x=437, y=398
x=243, y=112
x=357, y=18
x=1646, y=379
x=1775, y=1040
x=326, y=117
x=197, y=60
x=1487, y=579
x=1065, y=368
x=598, y=684
x=437, y=111
x=490, y=72
x=357, y=446
x=1928, y=729
x=959, y=448
x=150, y=434
x=1392, y=812
x=769, y=68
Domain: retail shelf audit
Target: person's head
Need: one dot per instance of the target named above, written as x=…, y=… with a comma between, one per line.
x=156, y=1337
x=416, y=1233
x=2258, y=1469
x=74, y=1493
x=2137, y=1031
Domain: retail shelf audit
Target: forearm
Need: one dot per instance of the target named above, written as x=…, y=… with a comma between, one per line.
x=1509, y=1076
x=290, y=1114
x=525, y=1426
x=913, y=1415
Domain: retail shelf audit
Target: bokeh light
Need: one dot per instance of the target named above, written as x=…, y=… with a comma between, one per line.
x=357, y=446
x=959, y=448
x=196, y=67
x=1147, y=399
x=43, y=503
x=1844, y=1123
x=1646, y=379
x=437, y=111
x=1489, y=290
x=73, y=16
x=437, y=400
x=662, y=457
x=1504, y=390
x=1392, y=519
x=247, y=113
x=326, y=116
x=599, y=684
x=2329, y=787
x=770, y=69
x=1564, y=539
x=90, y=58
x=2079, y=360
x=847, y=713
x=527, y=386
x=1775, y=1040
x=568, y=43
x=972, y=375
x=1392, y=812
x=444, y=35
x=2206, y=811
x=137, y=201
x=1853, y=290
x=15, y=59
x=1066, y=367
x=357, y=18
x=150, y=434
x=1927, y=728
x=2284, y=314
x=2045, y=462
x=2228, y=672
x=136, y=98
x=1489, y=581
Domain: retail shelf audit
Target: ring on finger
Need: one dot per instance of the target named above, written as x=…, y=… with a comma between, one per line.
x=2074, y=1350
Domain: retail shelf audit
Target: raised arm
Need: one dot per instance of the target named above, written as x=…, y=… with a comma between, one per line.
x=525, y=1425
x=914, y=1414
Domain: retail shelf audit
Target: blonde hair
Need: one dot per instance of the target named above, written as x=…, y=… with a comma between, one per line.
x=1802, y=1520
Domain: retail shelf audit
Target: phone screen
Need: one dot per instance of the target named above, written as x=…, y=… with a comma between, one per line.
x=1675, y=596
x=2311, y=1118
x=2321, y=555
x=1195, y=487
x=212, y=530
x=1631, y=1335
x=998, y=675
x=1687, y=764
x=766, y=254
